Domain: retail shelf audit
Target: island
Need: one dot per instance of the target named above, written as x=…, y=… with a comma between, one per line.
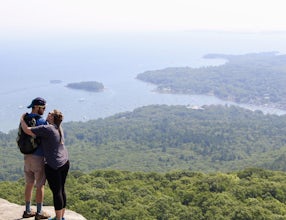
x=55, y=81
x=254, y=78
x=91, y=86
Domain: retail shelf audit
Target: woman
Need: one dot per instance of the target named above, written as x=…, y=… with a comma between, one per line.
x=56, y=157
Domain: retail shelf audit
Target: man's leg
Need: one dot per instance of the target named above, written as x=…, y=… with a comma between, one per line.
x=29, y=186
x=28, y=195
x=40, y=187
x=40, y=198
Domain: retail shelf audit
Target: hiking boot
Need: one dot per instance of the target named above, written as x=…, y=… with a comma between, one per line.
x=28, y=214
x=42, y=215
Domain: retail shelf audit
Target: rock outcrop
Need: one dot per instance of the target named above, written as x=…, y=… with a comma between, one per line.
x=11, y=211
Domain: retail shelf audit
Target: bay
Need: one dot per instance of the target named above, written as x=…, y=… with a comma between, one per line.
x=28, y=65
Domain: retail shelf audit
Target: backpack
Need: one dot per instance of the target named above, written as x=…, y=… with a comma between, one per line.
x=26, y=143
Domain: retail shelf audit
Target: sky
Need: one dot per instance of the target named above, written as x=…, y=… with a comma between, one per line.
x=51, y=16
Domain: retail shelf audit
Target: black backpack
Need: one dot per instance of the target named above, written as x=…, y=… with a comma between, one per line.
x=26, y=143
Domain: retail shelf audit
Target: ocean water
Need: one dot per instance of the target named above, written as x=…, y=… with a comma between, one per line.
x=28, y=65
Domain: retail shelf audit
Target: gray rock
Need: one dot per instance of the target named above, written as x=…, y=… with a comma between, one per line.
x=11, y=211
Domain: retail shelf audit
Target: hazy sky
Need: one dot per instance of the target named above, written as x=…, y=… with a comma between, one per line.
x=39, y=16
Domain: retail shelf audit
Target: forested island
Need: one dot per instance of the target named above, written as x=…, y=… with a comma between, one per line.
x=91, y=86
x=255, y=78
x=55, y=81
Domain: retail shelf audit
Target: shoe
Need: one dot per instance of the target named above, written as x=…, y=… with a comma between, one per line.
x=28, y=214
x=42, y=215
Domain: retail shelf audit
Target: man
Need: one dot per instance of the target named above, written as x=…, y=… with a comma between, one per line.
x=34, y=168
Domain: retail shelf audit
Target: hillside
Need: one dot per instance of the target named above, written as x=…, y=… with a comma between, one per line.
x=163, y=138
x=257, y=78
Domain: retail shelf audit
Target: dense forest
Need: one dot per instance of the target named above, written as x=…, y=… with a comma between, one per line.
x=168, y=162
x=257, y=78
x=250, y=194
x=163, y=138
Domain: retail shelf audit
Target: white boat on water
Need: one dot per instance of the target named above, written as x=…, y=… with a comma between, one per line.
x=81, y=100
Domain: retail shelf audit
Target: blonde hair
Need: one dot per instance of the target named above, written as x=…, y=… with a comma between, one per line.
x=58, y=118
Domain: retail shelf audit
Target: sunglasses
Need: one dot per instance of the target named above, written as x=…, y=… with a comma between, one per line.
x=42, y=107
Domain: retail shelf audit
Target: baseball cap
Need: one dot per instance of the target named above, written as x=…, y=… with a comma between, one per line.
x=37, y=101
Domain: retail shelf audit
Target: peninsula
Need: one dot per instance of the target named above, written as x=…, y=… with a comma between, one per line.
x=254, y=78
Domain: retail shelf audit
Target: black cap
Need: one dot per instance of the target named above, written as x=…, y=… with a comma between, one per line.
x=37, y=101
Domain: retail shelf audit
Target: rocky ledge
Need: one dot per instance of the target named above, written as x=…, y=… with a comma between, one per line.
x=11, y=211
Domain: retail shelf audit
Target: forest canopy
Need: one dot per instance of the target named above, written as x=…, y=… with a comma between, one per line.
x=252, y=194
x=168, y=162
x=163, y=138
